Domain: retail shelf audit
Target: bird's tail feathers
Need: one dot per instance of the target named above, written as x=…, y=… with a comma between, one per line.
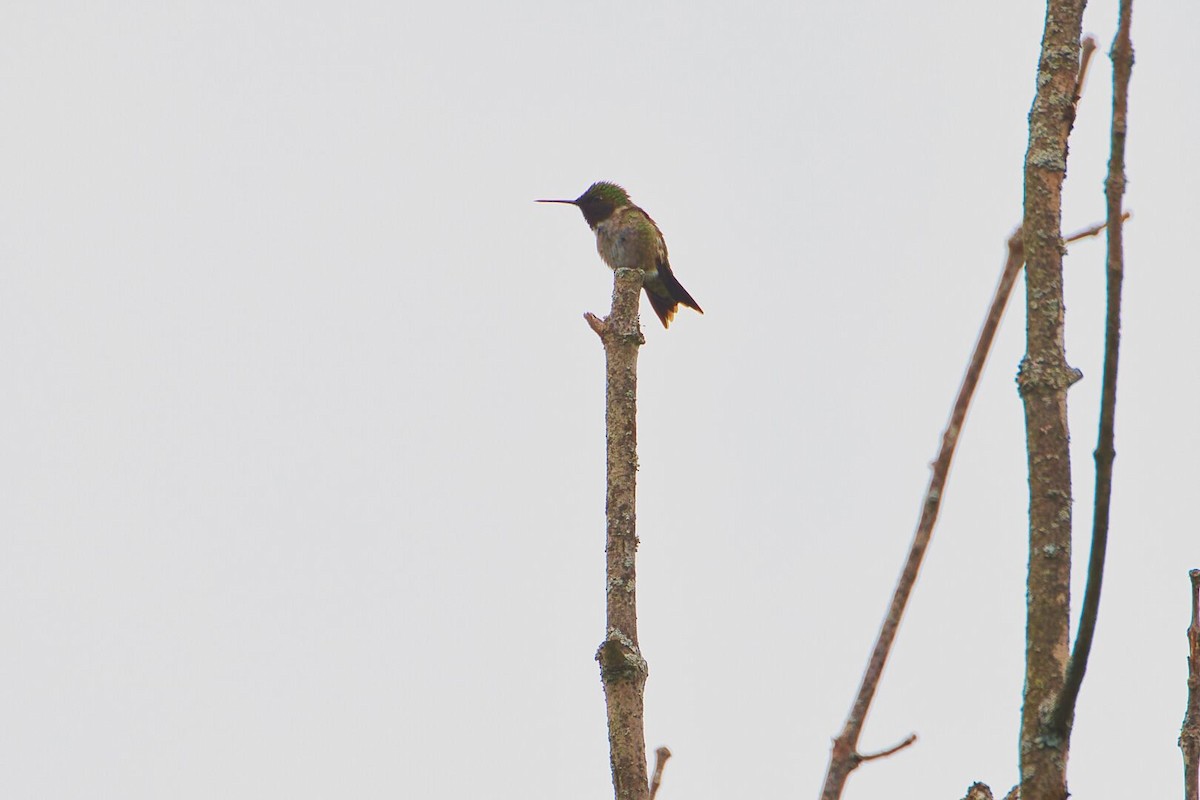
x=665, y=305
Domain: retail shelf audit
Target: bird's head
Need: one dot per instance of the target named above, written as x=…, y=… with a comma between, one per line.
x=599, y=201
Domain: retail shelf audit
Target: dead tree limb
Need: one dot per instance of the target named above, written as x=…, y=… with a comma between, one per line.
x=845, y=757
x=622, y=669
x=1043, y=380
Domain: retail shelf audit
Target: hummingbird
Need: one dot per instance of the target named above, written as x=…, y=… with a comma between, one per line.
x=627, y=237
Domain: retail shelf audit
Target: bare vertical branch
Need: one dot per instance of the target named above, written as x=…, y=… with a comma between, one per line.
x=1122, y=58
x=622, y=669
x=1043, y=380
x=1189, y=736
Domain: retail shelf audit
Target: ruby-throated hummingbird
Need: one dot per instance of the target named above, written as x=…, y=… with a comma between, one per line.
x=627, y=237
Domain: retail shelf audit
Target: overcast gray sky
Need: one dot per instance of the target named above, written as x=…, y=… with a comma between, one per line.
x=302, y=456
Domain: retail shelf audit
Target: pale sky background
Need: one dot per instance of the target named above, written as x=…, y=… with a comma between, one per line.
x=302, y=440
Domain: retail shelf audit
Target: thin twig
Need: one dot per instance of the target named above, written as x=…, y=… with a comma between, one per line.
x=1189, y=736
x=1122, y=58
x=911, y=738
x=660, y=761
x=1095, y=230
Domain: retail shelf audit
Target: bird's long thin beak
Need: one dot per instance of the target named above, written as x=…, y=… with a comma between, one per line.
x=568, y=202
